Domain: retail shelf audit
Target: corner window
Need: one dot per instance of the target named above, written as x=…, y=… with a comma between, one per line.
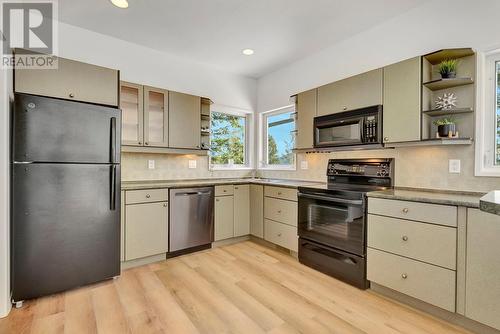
x=229, y=140
x=488, y=116
x=279, y=139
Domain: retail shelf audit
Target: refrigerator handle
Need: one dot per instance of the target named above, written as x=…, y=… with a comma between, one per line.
x=113, y=140
x=113, y=188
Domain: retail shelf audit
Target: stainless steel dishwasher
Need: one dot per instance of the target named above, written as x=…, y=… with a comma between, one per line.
x=191, y=219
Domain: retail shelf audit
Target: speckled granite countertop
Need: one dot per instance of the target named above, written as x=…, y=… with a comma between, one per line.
x=467, y=199
x=491, y=202
x=138, y=185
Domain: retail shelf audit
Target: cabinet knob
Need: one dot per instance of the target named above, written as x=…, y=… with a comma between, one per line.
x=165, y=205
x=217, y=200
x=386, y=138
x=236, y=188
x=344, y=108
x=224, y=191
x=71, y=95
x=404, y=276
x=146, y=143
x=139, y=143
x=279, y=192
x=404, y=237
x=279, y=234
x=405, y=210
x=148, y=195
x=279, y=211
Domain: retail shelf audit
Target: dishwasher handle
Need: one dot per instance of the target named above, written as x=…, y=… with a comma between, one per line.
x=192, y=193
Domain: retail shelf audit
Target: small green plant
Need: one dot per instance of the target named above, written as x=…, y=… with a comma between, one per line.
x=448, y=66
x=445, y=121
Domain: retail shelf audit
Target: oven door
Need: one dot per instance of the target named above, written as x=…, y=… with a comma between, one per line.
x=337, y=222
x=338, y=132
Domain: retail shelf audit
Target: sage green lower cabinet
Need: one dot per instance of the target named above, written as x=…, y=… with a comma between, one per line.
x=241, y=210
x=224, y=217
x=482, y=300
x=146, y=230
x=257, y=210
x=402, y=101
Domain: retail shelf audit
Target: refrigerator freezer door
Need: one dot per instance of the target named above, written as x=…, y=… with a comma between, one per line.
x=65, y=232
x=52, y=130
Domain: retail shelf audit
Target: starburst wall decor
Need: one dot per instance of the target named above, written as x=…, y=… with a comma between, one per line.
x=446, y=102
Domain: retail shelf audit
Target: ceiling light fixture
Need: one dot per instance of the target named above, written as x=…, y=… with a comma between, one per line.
x=120, y=3
x=248, y=52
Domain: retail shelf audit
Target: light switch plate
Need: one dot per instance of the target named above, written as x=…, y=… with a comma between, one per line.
x=454, y=166
x=304, y=164
x=151, y=164
x=192, y=164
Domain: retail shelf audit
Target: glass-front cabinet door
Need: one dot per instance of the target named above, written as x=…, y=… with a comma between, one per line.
x=131, y=104
x=155, y=117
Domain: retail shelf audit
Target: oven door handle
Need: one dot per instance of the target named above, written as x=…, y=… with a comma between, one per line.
x=332, y=199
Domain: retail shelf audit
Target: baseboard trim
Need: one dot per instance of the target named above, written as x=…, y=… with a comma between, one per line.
x=435, y=311
x=230, y=241
x=143, y=261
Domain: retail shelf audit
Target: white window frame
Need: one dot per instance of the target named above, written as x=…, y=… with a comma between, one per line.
x=264, y=144
x=248, y=144
x=485, y=115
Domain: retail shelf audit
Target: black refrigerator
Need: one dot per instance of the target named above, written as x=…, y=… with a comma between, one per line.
x=65, y=184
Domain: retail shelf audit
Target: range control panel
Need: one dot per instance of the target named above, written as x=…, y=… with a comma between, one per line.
x=360, y=167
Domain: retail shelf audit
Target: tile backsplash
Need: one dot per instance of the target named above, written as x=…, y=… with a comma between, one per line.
x=169, y=167
x=416, y=167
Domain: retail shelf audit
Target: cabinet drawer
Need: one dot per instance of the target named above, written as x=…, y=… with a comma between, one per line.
x=145, y=196
x=281, y=234
x=146, y=230
x=431, y=284
x=224, y=190
x=425, y=242
x=283, y=193
x=281, y=211
x=424, y=212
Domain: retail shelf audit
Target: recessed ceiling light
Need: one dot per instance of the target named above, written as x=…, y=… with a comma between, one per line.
x=120, y=3
x=248, y=52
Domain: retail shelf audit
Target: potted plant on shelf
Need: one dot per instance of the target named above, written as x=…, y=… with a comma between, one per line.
x=448, y=68
x=446, y=127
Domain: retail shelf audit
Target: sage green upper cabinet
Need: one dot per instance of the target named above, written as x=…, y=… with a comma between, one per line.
x=72, y=80
x=184, y=121
x=155, y=117
x=482, y=283
x=402, y=101
x=362, y=90
x=131, y=104
x=306, y=111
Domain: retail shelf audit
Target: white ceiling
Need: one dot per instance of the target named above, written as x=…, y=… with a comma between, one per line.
x=214, y=32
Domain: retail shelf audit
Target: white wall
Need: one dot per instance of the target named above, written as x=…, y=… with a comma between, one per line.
x=147, y=66
x=5, y=90
x=435, y=25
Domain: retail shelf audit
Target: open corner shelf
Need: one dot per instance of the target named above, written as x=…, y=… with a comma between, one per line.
x=441, y=112
x=447, y=83
x=437, y=57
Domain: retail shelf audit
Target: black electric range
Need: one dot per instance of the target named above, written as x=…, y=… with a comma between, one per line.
x=332, y=217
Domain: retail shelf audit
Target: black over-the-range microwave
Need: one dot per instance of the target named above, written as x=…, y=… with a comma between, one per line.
x=361, y=128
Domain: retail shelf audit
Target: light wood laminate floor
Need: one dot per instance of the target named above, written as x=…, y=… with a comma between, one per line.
x=240, y=288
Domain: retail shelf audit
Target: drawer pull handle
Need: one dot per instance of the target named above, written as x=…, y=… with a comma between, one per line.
x=404, y=237
x=404, y=276
x=405, y=210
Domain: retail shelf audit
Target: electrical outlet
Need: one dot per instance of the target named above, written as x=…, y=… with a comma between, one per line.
x=304, y=164
x=192, y=164
x=151, y=164
x=454, y=166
